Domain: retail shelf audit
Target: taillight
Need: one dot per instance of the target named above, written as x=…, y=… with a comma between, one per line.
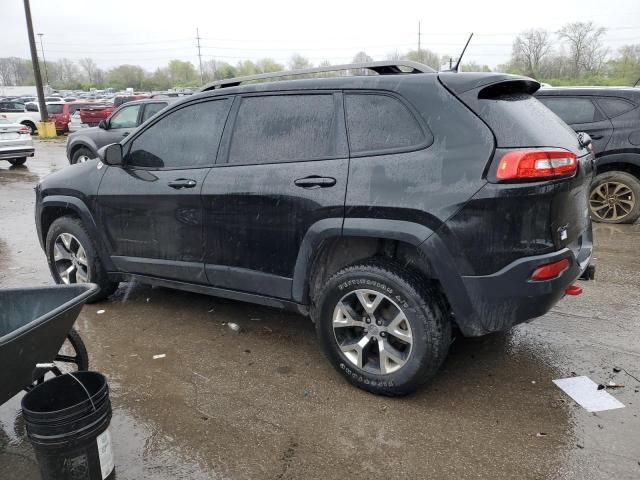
x=536, y=164
x=550, y=270
x=24, y=131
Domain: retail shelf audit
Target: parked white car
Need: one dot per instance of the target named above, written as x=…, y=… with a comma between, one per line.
x=16, y=112
x=15, y=141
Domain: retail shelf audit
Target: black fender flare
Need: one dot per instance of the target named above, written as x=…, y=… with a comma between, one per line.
x=81, y=142
x=631, y=157
x=83, y=212
x=409, y=232
x=428, y=243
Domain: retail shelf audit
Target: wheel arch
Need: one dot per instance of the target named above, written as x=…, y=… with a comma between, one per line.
x=81, y=143
x=56, y=206
x=329, y=246
x=628, y=162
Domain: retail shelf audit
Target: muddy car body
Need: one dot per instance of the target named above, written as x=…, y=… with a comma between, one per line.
x=392, y=208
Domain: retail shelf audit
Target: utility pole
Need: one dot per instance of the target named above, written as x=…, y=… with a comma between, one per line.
x=44, y=115
x=419, y=37
x=44, y=60
x=199, y=56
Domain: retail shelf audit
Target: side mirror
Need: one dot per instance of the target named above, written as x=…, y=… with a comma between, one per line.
x=103, y=125
x=111, y=154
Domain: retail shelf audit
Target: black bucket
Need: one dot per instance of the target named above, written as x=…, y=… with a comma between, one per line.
x=67, y=420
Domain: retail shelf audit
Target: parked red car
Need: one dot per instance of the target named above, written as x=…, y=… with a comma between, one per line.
x=92, y=114
x=60, y=113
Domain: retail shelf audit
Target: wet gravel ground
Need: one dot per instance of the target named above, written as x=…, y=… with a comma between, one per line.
x=264, y=404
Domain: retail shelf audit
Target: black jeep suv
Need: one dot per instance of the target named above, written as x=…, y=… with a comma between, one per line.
x=610, y=115
x=391, y=208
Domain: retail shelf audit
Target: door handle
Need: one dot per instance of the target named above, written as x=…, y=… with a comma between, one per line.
x=125, y=134
x=315, y=181
x=179, y=183
x=596, y=137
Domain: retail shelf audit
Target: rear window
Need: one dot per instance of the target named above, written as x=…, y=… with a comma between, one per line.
x=74, y=107
x=520, y=120
x=284, y=128
x=380, y=123
x=55, y=109
x=120, y=100
x=614, y=106
x=573, y=109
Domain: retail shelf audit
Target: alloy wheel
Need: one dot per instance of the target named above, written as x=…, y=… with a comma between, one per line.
x=372, y=331
x=611, y=201
x=70, y=259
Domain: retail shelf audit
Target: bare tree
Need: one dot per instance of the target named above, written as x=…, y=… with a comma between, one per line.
x=529, y=50
x=89, y=67
x=585, y=46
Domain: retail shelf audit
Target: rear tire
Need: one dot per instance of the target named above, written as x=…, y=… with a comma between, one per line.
x=31, y=126
x=18, y=161
x=382, y=327
x=73, y=257
x=615, y=198
x=82, y=155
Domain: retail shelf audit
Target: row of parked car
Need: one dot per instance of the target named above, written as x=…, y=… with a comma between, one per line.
x=69, y=114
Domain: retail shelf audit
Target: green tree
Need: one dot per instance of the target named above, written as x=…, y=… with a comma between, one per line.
x=126, y=76
x=183, y=74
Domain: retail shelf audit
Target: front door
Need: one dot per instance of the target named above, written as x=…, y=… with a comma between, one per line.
x=151, y=208
x=283, y=167
x=119, y=125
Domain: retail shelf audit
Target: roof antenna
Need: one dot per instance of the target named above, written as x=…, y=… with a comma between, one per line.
x=457, y=65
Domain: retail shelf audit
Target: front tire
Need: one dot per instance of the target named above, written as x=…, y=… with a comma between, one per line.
x=73, y=258
x=82, y=155
x=382, y=327
x=18, y=161
x=615, y=198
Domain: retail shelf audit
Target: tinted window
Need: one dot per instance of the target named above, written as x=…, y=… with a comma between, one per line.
x=55, y=109
x=380, y=122
x=126, y=117
x=614, y=106
x=572, y=110
x=283, y=128
x=187, y=137
x=150, y=109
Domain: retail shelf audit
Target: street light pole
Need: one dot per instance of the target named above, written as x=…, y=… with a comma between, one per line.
x=44, y=115
x=44, y=60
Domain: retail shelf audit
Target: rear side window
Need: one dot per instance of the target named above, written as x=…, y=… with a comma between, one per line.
x=150, y=109
x=573, y=109
x=380, y=123
x=188, y=137
x=284, y=128
x=613, y=107
x=55, y=109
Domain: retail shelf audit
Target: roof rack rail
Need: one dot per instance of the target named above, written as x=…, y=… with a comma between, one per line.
x=382, y=68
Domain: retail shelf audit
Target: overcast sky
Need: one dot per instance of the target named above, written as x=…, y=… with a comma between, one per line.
x=146, y=33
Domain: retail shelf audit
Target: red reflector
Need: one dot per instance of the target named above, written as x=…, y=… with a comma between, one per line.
x=573, y=290
x=551, y=270
x=522, y=164
x=24, y=131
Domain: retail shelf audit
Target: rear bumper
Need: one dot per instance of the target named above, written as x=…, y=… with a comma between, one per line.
x=16, y=152
x=508, y=297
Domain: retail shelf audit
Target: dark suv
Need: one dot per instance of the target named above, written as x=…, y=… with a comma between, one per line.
x=610, y=115
x=391, y=208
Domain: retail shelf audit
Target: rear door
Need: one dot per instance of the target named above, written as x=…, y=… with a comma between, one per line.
x=150, y=209
x=583, y=115
x=283, y=166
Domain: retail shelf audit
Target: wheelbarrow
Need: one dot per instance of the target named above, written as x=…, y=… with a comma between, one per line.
x=35, y=323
